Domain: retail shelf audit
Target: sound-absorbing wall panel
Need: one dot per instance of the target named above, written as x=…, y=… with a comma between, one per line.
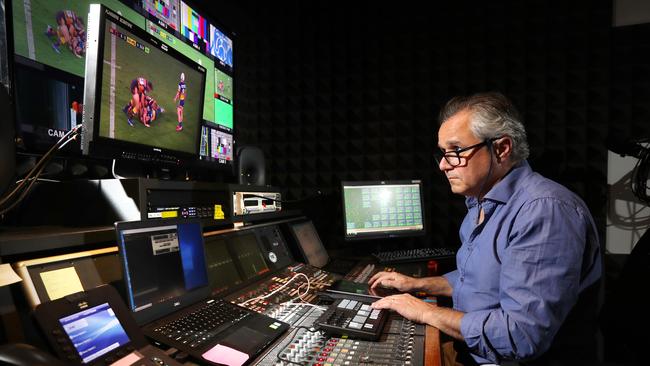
x=337, y=92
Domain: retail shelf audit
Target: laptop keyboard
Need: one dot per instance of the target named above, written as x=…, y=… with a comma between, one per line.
x=201, y=325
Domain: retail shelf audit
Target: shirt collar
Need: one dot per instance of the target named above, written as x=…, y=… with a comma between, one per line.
x=506, y=187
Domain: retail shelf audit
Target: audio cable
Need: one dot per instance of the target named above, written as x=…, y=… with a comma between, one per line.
x=279, y=289
x=23, y=186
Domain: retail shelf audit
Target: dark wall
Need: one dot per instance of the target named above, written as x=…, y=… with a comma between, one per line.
x=630, y=96
x=333, y=92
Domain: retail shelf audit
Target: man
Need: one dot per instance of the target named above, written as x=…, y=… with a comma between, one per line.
x=152, y=110
x=527, y=277
x=139, y=88
x=180, y=96
x=70, y=31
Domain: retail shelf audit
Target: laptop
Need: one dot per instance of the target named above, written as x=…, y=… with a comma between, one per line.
x=167, y=291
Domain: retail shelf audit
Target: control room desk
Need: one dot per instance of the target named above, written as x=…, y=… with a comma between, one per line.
x=432, y=347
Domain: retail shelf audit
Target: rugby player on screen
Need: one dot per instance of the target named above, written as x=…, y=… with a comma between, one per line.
x=180, y=96
x=137, y=105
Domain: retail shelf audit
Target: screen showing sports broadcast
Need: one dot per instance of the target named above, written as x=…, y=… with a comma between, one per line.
x=49, y=46
x=198, y=57
x=148, y=96
x=53, y=32
x=49, y=50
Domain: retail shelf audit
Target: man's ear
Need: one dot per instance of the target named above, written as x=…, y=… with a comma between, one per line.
x=503, y=148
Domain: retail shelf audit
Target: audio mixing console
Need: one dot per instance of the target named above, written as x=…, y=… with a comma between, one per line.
x=402, y=343
x=273, y=284
x=270, y=296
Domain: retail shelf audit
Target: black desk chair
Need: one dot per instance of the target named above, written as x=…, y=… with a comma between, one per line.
x=22, y=354
x=625, y=319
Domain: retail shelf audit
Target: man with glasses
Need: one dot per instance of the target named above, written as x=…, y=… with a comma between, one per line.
x=528, y=271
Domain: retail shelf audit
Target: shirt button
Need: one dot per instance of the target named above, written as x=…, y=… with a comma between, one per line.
x=462, y=279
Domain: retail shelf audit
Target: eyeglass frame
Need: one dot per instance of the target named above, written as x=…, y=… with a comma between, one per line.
x=456, y=153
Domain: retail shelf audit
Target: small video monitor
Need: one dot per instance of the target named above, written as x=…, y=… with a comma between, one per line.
x=382, y=209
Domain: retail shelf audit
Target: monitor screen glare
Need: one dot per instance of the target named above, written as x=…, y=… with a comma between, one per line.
x=382, y=209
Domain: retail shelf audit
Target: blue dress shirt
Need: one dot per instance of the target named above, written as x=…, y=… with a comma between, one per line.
x=521, y=270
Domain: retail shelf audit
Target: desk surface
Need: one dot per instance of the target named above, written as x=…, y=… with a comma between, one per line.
x=432, y=347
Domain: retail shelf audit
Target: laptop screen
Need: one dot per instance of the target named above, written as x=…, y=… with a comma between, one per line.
x=163, y=262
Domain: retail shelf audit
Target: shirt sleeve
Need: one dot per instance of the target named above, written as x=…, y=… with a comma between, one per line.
x=539, y=283
x=451, y=277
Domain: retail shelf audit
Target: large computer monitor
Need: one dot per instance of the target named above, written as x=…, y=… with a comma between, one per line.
x=47, y=39
x=48, y=44
x=142, y=98
x=382, y=209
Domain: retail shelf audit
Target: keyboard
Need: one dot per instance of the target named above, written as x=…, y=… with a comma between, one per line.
x=414, y=255
x=200, y=326
x=354, y=319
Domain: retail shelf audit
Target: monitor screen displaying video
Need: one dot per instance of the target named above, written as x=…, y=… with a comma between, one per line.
x=156, y=99
x=146, y=94
x=49, y=52
x=220, y=46
x=49, y=46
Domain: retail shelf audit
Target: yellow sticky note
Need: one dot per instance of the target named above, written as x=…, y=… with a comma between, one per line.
x=7, y=275
x=218, y=213
x=61, y=282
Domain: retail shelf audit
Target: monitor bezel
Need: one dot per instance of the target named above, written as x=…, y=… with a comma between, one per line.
x=386, y=234
x=103, y=147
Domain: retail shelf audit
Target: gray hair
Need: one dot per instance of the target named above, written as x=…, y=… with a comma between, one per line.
x=493, y=115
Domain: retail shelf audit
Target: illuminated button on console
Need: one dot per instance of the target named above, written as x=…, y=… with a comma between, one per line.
x=353, y=318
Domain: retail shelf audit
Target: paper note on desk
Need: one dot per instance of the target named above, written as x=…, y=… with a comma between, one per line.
x=225, y=355
x=7, y=275
x=61, y=282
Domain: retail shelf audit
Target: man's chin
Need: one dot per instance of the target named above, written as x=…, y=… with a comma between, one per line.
x=456, y=187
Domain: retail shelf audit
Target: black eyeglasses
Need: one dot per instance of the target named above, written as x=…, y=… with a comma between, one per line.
x=453, y=157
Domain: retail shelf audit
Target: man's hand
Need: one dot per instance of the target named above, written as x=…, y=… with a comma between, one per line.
x=393, y=280
x=407, y=306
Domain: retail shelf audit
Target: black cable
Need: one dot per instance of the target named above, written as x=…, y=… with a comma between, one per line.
x=479, y=198
x=28, y=182
x=23, y=194
x=641, y=172
x=42, y=162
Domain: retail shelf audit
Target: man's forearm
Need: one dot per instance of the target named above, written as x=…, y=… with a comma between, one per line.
x=435, y=286
x=446, y=320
